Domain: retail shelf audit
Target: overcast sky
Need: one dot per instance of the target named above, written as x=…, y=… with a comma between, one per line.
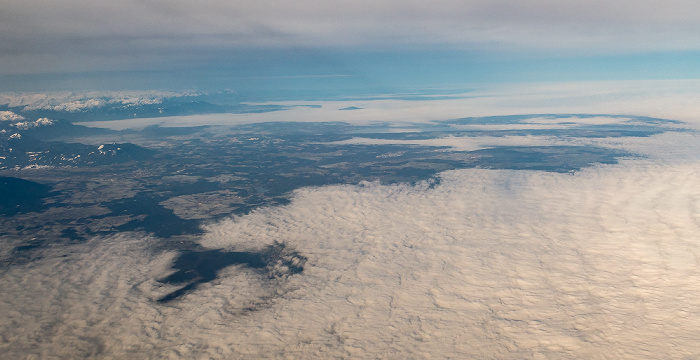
x=311, y=36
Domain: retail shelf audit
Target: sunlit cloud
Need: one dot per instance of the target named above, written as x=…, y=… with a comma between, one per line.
x=485, y=264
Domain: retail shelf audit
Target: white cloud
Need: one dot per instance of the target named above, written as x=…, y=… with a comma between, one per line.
x=678, y=146
x=79, y=105
x=673, y=100
x=10, y=116
x=25, y=125
x=69, y=101
x=566, y=121
x=488, y=264
x=469, y=143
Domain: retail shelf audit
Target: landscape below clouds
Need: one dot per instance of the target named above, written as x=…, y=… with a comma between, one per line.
x=485, y=263
x=474, y=236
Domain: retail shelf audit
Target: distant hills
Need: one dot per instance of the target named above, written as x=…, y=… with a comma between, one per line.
x=29, y=143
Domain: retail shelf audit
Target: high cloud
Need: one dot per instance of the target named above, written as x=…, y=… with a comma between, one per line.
x=558, y=24
x=79, y=33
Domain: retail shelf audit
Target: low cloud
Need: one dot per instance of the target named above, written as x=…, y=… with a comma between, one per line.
x=673, y=99
x=602, y=262
x=486, y=264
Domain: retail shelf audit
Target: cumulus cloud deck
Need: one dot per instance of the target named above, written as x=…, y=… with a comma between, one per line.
x=487, y=264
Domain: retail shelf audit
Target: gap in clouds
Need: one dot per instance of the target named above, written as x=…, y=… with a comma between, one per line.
x=196, y=267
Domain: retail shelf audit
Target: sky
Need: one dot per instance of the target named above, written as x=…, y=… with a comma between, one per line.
x=380, y=46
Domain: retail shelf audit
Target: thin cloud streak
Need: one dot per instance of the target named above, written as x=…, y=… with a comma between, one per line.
x=676, y=100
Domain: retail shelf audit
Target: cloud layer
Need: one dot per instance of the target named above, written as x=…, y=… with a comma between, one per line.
x=598, y=263
x=587, y=23
x=51, y=36
x=487, y=264
x=668, y=99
